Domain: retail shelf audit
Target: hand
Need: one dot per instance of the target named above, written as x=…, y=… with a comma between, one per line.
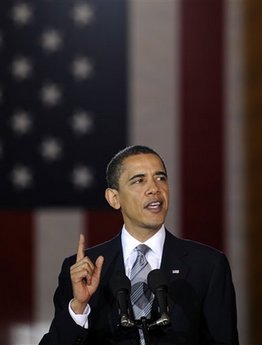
x=85, y=277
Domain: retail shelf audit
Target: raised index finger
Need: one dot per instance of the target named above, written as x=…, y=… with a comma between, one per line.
x=81, y=247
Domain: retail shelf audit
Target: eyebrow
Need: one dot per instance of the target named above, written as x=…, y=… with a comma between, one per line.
x=158, y=173
x=161, y=173
x=136, y=176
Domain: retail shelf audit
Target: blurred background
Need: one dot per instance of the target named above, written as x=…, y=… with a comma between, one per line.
x=81, y=79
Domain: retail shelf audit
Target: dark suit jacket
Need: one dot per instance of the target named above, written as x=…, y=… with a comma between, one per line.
x=200, y=294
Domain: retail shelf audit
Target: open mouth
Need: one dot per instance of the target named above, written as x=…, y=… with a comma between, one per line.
x=154, y=205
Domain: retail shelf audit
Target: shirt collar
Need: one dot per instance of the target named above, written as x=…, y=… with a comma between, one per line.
x=155, y=243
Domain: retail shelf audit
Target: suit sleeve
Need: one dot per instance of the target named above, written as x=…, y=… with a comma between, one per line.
x=63, y=329
x=220, y=306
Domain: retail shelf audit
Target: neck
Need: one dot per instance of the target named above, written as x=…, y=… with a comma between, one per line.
x=142, y=235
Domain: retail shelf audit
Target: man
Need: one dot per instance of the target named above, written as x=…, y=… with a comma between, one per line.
x=201, y=295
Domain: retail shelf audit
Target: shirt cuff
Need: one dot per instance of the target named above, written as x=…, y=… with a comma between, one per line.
x=80, y=319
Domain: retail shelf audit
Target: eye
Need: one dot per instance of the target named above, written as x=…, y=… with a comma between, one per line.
x=139, y=180
x=161, y=178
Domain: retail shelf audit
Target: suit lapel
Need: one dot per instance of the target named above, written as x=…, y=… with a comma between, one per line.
x=113, y=263
x=172, y=263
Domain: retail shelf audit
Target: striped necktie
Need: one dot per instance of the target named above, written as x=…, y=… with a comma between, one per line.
x=141, y=296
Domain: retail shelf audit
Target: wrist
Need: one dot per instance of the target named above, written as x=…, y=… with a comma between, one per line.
x=78, y=307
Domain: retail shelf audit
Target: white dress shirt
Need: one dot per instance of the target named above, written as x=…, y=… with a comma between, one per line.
x=153, y=256
x=129, y=243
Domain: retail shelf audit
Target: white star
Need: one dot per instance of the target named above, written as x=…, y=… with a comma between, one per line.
x=21, y=177
x=51, y=149
x=81, y=68
x=83, y=14
x=51, y=40
x=21, y=122
x=82, y=122
x=22, y=13
x=21, y=67
x=82, y=177
x=50, y=94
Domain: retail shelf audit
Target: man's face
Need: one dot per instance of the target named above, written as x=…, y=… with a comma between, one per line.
x=143, y=193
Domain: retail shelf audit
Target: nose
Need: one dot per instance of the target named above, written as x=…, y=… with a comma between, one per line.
x=153, y=187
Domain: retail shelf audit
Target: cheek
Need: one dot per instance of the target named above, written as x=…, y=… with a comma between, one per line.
x=166, y=192
x=132, y=205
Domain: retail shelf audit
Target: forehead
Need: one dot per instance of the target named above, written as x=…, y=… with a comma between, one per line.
x=141, y=163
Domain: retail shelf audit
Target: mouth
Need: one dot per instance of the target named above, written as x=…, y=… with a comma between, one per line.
x=154, y=205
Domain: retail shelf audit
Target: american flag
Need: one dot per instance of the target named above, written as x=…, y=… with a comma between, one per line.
x=63, y=98
x=79, y=81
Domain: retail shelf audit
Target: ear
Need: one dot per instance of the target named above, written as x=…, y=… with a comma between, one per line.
x=111, y=196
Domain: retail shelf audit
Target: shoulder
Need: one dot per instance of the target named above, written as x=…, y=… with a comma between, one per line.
x=200, y=259
x=194, y=250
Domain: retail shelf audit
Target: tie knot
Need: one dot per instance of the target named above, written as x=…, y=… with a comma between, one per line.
x=142, y=248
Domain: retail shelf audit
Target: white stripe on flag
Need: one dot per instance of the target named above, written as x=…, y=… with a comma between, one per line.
x=56, y=234
x=235, y=240
x=56, y=237
x=153, y=79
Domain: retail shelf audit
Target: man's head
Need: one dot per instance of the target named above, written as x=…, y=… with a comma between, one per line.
x=138, y=186
x=114, y=167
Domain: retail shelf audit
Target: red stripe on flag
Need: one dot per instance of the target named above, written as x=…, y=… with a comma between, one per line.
x=16, y=238
x=202, y=121
x=102, y=225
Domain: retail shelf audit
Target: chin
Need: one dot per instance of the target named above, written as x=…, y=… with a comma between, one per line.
x=154, y=227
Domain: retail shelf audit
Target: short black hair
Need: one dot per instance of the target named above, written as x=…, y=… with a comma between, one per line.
x=114, y=167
